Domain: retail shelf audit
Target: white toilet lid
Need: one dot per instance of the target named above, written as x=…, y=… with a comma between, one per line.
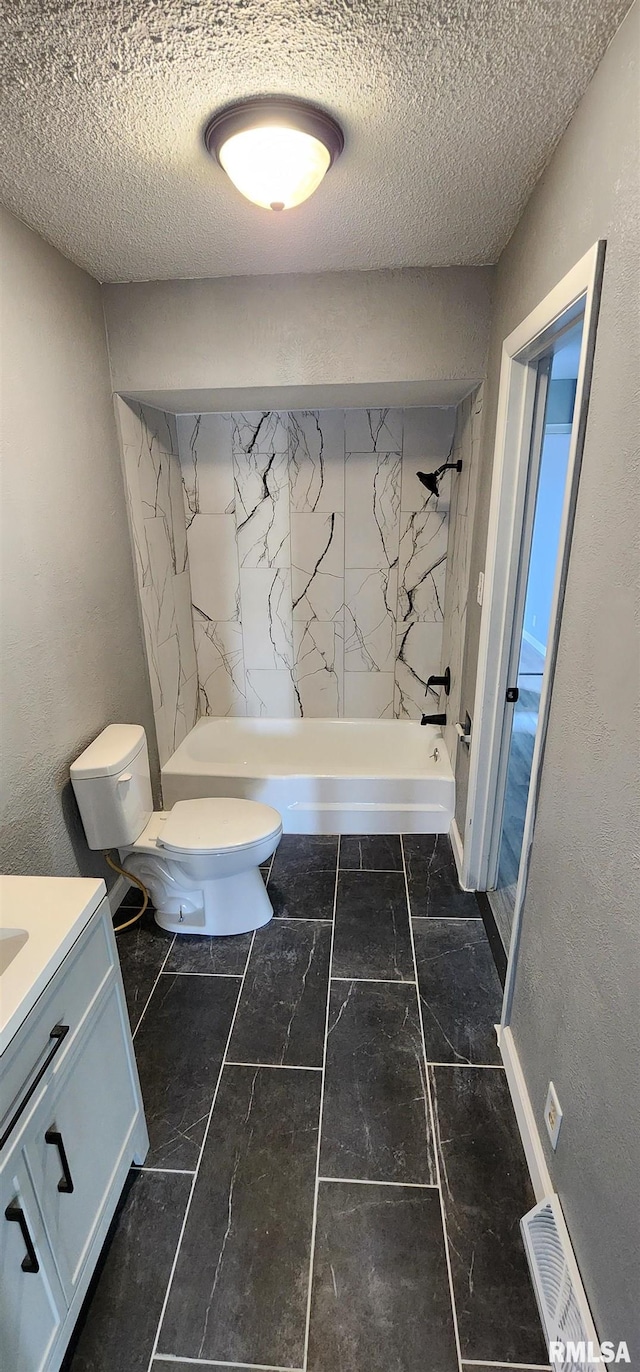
x=215, y=825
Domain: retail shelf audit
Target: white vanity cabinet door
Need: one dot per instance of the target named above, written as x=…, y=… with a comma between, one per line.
x=89, y=1116
x=32, y=1304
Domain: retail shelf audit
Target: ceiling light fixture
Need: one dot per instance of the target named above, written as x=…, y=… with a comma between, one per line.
x=276, y=150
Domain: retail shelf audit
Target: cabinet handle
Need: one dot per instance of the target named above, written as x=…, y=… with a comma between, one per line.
x=14, y=1213
x=54, y=1137
x=59, y=1033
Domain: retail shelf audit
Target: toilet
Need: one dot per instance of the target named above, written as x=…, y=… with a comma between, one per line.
x=200, y=861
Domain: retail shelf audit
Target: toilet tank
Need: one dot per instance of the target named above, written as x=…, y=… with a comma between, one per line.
x=112, y=786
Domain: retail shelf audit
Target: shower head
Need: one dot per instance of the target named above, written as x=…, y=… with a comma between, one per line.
x=432, y=479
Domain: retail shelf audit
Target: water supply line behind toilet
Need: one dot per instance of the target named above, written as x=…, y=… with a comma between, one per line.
x=117, y=928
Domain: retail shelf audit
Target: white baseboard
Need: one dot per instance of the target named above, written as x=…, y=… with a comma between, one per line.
x=117, y=893
x=531, y=1142
x=458, y=853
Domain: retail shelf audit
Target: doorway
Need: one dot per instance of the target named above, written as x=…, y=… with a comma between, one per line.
x=542, y=408
x=540, y=551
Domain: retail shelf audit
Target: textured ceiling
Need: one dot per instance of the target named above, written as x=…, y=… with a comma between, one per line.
x=451, y=108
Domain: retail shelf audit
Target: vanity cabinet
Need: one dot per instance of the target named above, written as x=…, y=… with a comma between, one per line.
x=72, y=1124
x=33, y=1305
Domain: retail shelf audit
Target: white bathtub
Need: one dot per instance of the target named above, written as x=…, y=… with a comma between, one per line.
x=325, y=776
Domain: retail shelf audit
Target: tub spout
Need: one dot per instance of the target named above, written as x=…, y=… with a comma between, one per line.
x=434, y=719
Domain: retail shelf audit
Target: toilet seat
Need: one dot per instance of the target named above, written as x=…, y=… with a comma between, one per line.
x=213, y=825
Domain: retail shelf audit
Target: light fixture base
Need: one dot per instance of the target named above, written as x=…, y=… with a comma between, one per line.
x=262, y=111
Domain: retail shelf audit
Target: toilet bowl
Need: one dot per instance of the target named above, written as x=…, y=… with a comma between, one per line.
x=200, y=861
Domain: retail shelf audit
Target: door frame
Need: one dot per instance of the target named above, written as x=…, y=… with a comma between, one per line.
x=579, y=291
x=539, y=409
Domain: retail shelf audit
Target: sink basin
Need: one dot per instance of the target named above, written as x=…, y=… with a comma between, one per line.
x=11, y=941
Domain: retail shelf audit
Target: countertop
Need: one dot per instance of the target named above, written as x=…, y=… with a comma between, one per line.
x=53, y=911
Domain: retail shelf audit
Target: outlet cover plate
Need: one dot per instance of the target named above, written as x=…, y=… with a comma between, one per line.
x=553, y=1115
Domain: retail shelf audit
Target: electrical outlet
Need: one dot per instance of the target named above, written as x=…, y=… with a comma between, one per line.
x=553, y=1115
x=480, y=590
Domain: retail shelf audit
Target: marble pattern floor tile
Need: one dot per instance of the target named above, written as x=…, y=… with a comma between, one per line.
x=179, y=1050
x=201, y=954
x=486, y=1192
x=460, y=991
x=142, y=950
x=370, y=852
x=282, y=1011
x=302, y=880
x=239, y=1292
x=381, y=1295
x=117, y=1326
x=380, y=1300
x=375, y=1123
x=433, y=881
x=372, y=937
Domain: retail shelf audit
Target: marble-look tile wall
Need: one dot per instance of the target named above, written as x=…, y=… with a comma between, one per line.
x=317, y=559
x=153, y=481
x=466, y=445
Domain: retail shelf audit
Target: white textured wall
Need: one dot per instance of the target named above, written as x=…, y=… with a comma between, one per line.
x=71, y=647
x=575, y=1013
x=419, y=324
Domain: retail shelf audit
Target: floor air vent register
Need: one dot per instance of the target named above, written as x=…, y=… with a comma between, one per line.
x=561, y=1297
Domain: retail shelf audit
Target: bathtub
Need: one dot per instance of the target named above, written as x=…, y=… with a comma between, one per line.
x=325, y=776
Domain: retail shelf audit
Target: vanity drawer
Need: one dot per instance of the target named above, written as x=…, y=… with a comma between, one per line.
x=47, y=1036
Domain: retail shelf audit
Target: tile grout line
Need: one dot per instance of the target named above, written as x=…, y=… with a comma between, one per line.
x=148, y=1000
x=314, y=1221
x=166, y=1171
x=447, y=919
x=434, y=1136
x=479, y=1066
x=375, y=981
x=301, y=919
x=509, y=1366
x=242, y=1366
x=274, y=1066
x=395, y=871
x=229, y=976
x=197, y=1168
x=368, y=1181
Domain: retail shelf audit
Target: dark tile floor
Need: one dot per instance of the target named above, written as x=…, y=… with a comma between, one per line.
x=335, y=1177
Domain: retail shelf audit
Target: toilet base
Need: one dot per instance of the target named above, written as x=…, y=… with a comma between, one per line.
x=186, y=904
x=230, y=905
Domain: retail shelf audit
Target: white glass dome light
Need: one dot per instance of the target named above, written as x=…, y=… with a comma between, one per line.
x=276, y=151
